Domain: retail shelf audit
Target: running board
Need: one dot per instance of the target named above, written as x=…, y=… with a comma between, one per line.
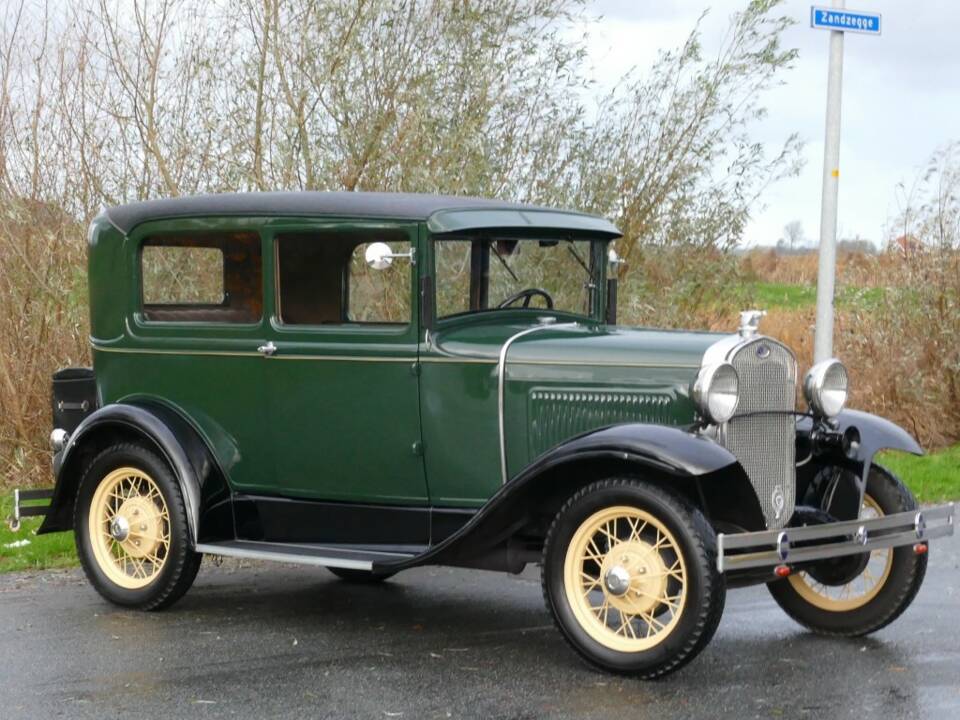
x=303, y=554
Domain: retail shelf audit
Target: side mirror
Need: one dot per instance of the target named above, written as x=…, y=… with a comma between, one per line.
x=614, y=260
x=379, y=256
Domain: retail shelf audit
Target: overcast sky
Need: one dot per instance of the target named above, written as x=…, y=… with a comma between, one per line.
x=901, y=99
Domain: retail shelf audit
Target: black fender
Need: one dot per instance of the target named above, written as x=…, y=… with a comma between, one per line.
x=852, y=441
x=663, y=453
x=876, y=433
x=161, y=427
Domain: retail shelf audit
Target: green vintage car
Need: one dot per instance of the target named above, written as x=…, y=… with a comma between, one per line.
x=371, y=382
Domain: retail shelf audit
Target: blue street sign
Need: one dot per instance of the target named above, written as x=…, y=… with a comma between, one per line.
x=827, y=18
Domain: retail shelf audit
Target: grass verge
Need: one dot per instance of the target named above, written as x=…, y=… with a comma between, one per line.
x=784, y=296
x=932, y=478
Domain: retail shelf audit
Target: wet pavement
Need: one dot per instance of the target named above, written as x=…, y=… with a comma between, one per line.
x=259, y=641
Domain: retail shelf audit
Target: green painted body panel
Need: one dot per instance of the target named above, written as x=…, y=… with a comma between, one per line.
x=385, y=414
x=560, y=382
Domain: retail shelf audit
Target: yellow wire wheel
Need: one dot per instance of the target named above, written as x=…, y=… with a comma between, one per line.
x=129, y=528
x=625, y=579
x=860, y=590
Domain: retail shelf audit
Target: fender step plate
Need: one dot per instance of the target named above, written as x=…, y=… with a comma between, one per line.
x=305, y=554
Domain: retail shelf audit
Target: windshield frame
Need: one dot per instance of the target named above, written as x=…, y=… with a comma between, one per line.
x=596, y=261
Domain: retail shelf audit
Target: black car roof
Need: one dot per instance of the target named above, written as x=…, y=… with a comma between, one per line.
x=408, y=206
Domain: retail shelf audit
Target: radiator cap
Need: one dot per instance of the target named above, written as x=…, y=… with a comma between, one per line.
x=750, y=322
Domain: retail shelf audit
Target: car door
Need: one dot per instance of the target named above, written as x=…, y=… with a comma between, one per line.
x=190, y=341
x=342, y=373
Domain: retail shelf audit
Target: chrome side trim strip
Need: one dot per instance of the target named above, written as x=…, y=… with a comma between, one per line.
x=255, y=354
x=346, y=358
x=252, y=554
x=849, y=537
x=423, y=359
x=563, y=363
x=601, y=363
x=145, y=351
x=458, y=360
x=501, y=371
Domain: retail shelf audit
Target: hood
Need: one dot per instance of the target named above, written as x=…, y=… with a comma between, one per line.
x=583, y=345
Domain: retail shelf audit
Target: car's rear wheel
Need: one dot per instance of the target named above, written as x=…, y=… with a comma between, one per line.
x=131, y=531
x=860, y=594
x=629, y=573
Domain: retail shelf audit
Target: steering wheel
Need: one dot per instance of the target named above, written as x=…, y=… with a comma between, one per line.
x=526, y=296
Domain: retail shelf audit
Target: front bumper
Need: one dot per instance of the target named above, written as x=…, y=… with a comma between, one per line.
x=790, y=546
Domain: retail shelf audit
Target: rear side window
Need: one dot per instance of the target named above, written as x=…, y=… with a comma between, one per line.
x=182, y=275
x=213, y=277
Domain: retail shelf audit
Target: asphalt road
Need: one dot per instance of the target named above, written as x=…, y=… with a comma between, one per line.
x=262, y=641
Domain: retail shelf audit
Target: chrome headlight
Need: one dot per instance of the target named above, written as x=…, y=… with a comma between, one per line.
x=825, y=387
x=716, y=392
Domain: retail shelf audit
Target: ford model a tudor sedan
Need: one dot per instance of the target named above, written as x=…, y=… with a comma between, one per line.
x=372, y=382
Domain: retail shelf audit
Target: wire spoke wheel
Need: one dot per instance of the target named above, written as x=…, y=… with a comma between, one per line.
x=625, y=578
x=129, y=528
x=869, y=593
x=860, y=590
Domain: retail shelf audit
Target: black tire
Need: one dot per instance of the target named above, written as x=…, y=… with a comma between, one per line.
x=898, y=589
x=359, y=577
x=699, y=616
x=181, y=564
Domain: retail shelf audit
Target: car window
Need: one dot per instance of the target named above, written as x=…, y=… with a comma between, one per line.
x=477, y=274
x=213, y=277
x=323, y=279
x=182, y=275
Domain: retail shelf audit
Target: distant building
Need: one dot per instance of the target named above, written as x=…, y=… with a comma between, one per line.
x=906, y=245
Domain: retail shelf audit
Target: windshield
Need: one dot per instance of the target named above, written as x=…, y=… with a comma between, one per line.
x=478, y=274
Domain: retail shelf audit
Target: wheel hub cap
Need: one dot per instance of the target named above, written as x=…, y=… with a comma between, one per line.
x=119, y=528
x=635, y=577
x=139, y=528
x=617, y=580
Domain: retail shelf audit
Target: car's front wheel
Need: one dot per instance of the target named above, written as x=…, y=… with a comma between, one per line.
x=131, y=530
x=629, y=574
x=859, y=594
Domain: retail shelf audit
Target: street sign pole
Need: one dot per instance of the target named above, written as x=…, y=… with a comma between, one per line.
x=838, y=21
x=826, y=274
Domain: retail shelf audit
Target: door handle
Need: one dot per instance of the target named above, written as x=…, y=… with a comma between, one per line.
x=268, y=349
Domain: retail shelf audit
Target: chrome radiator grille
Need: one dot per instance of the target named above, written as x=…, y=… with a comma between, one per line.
x=761, y=434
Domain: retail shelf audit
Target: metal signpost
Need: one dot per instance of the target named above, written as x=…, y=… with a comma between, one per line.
x=838, y=21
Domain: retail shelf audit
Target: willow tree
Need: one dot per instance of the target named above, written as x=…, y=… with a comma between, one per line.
x=109, y=101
